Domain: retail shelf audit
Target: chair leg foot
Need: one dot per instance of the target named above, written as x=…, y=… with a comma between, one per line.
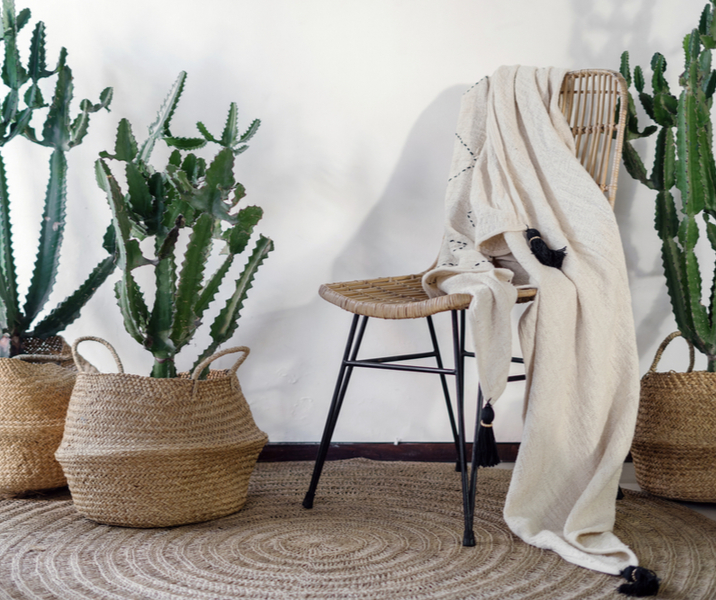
x=308, y=500
x=468, y=538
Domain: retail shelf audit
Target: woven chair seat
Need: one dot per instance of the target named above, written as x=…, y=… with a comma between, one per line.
x=400, y=297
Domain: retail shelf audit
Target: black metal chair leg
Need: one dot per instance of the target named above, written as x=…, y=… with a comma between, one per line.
x=344, y=375
x=475, y=461
x=468, y=538
x=446, y=391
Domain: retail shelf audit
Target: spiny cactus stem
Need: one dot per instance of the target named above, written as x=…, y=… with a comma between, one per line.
x=164, y=368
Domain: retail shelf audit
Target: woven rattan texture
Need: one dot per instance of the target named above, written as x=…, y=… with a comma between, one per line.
x=33, y=401
x=396, y=298
x=674, y=447
x=588, y=100
x=380, y=531
x=147, y=452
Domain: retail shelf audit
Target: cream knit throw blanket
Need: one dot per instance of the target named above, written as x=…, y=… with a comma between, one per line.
x=514, y=166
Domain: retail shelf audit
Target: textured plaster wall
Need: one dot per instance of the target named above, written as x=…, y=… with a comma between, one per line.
x=358, y=100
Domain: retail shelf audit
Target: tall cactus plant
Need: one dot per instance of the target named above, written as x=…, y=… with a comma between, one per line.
x=61, y=133
x=683, y=160
x=158, y=205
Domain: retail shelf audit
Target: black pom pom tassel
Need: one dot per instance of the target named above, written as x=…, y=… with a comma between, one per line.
x=486, y=445
x=544, y=254
x=641, y=582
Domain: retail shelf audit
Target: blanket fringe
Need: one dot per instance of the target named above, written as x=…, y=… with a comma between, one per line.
x=486, y=445
x=641, y=582
x=545, y=254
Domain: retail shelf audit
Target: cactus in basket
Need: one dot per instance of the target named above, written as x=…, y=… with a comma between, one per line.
x=683, y=160
x=61, y=133
x=187, y=194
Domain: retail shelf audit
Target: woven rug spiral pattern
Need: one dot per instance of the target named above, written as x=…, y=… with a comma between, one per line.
x=378, y=531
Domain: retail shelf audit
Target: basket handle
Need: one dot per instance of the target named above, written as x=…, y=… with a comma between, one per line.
x=207, y=361
x=663, y=346
x=105, y=343
x=44, y=357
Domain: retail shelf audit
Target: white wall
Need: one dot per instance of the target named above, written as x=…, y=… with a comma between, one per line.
x=358, y=100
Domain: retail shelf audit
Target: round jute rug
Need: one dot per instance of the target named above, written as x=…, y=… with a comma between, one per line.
x=378, y=531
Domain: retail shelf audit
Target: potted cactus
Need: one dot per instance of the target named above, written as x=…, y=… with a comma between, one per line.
x=170, y=448
x=684, y=178
x=34, y=397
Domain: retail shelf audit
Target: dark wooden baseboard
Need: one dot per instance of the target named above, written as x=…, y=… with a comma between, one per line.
x=408, y=451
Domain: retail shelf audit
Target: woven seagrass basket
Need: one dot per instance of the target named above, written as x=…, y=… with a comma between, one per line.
x=145, y=452
x=35, y=389
x=674, y=447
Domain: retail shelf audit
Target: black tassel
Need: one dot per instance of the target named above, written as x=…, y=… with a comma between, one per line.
x=486, y=446
x=544, y=254
x=642, y=582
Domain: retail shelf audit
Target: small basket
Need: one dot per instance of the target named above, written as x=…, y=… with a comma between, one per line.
x=674, y=447
x=145, y=452
x=35, y=390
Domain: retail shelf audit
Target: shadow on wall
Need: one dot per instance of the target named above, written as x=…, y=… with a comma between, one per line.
x=402, y=233
x=601, y=32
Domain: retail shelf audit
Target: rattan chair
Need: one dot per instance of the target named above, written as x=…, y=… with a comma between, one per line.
x=594, y=103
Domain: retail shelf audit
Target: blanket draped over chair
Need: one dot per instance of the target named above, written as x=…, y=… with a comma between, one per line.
x=515, y=167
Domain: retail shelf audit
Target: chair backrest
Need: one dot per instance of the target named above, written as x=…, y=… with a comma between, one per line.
x=595, y=102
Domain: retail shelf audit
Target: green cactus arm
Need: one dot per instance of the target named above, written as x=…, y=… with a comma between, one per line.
x=190, y=279
x=226, y=321
x=205, y=132
x=705, y=20
x=132, y=307
x=639, y=81
x=250, y=132
x=160, y=127
x=219, y=180
x=139, y=197
x=688, y=178
x=185, y=143
x=37, y=66
x=128, y=251
x=4, y=325
x=13, y=74
x=69, y=309
x=635, y=166
x=230, y=135
x=23, y=17
x=80, y=125
x=624, y=68
x=159, y=326
x=51, y=233
x=666, y=219
x=7, y=260
x=711, y=235
x=663, y=174
x=237, y=238
x=56, y=129
x=211, y=287
x=10, y=106
x=125, y=145
x=689, y=236
x=675, y=273
x=19, y=126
